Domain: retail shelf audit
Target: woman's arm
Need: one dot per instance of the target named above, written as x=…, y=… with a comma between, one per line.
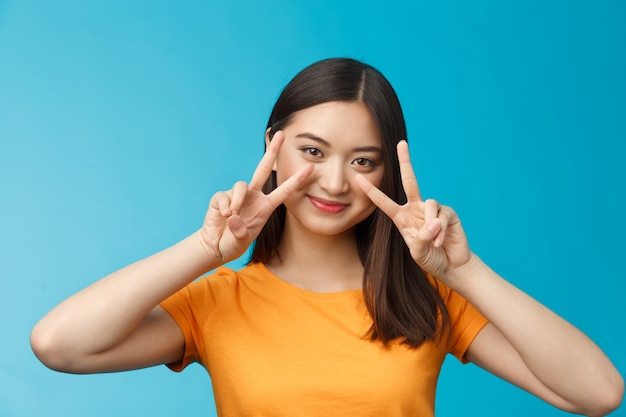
x=525, y=343
x=113, y=324
x=532, y=347
x=116, y=323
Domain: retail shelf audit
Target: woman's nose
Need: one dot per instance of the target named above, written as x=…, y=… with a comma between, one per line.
x=333, y=178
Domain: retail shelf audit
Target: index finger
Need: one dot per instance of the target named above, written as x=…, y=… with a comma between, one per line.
x=409, y=181
x=280, y=193
x=380, y=199
x=266, y=165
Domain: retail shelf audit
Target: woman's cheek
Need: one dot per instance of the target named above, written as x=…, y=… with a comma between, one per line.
x=286, y=165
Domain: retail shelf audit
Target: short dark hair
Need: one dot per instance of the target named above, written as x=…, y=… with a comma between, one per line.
x=401, y=299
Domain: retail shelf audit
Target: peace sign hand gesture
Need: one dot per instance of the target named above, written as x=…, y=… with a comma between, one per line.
x=235, y=217
x=432, y=232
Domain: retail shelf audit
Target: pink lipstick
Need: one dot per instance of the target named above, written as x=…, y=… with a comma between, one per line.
x=327, y=206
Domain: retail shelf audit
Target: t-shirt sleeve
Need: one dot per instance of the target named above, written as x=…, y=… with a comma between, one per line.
x=190, y=308
x=465, y=321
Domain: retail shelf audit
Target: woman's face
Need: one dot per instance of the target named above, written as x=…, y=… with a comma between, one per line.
x=341, y=139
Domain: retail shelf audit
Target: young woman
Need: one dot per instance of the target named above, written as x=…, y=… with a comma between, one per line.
x=355, y=292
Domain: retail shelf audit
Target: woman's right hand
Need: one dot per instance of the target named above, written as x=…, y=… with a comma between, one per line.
x=235, y=217
x=116, y=323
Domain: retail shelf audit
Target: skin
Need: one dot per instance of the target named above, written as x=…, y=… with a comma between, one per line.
x=524, y=343
x=116, y=323
x=340, y=140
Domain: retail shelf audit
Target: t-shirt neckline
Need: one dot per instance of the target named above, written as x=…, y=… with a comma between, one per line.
x=274, y=279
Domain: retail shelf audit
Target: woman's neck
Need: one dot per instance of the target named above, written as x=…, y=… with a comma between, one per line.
x=316, y=262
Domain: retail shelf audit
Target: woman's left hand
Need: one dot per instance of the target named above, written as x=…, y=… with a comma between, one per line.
x=432, y=232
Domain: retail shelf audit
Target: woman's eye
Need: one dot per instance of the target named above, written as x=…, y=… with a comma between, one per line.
x=312, y=151
x=364, y=162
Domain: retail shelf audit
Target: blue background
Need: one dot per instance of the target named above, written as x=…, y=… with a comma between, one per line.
x=119, y=119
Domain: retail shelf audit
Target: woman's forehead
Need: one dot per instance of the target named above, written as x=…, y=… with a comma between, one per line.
x=336, y=121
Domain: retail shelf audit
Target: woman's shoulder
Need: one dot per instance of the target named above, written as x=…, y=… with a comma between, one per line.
x=454, y=301
x=226, y=276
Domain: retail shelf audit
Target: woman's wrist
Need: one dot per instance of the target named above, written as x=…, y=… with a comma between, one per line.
x=208, y=258
x=465, y=275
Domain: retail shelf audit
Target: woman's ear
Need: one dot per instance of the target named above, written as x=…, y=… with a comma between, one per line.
x=267, y=137
x=267, y=144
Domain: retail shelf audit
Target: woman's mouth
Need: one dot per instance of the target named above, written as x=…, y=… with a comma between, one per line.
x=326, y=205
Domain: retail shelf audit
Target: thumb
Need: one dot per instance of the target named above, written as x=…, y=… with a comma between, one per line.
x=421, y=246
x=430, y=231
x=237, y=227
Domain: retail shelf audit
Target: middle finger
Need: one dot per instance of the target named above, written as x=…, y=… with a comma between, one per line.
x=409, y=181
x=266, y=165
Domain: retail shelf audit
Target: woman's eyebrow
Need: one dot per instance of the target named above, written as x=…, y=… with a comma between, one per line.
x=368, y=149
x=317, y=139
x=313, y=137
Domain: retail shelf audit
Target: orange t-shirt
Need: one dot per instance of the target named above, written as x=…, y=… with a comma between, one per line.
x=273, y=349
